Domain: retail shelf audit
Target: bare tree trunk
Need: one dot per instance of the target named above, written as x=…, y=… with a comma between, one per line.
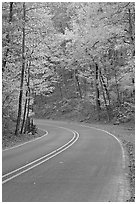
x=130, y=30
x=27, y=121
x=4, y=61
x=105, y=87
x=28, y=100
x=105, y=101
x=97, y=90
x=24, y=115
x=22, y=75
x=85, y=87
x=117, y=89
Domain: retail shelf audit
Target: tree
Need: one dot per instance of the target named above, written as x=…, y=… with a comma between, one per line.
x=22, y=72
x=78, y=51
x=7, y=38
x=11, y=53
x=27, y=101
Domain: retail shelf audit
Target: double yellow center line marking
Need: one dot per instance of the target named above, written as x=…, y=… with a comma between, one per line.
x=17, y=172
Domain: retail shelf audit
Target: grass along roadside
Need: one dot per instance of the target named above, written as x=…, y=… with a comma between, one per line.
x=11, y=140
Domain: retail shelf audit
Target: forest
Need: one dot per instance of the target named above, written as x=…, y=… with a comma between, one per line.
x=67, y=60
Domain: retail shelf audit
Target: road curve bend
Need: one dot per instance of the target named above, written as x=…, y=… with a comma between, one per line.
x=63, y=167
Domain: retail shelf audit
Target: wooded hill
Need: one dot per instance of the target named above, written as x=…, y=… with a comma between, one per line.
x=67, y=60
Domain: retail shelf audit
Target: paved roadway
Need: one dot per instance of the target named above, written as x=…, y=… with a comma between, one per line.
x=88, y=170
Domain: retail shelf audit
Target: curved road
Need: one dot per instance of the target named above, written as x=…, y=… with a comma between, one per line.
x=72, y=163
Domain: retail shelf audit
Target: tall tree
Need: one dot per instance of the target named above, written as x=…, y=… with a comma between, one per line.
x=4, y=61
x=22, y=72
x=27, y=100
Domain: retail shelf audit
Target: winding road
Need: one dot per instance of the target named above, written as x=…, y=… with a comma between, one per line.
x=72, y=162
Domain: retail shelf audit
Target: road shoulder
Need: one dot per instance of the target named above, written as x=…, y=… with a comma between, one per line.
x=13, y=140
x=126, y=134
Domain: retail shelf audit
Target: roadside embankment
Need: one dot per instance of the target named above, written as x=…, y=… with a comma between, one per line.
x=11, y=140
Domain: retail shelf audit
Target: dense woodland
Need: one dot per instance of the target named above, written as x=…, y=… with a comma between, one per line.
x=67, y=60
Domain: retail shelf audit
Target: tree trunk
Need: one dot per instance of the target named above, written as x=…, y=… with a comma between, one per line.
x=22, y=75
x=78, y=84
x=130, y=30
x=24, y=115
x=85, y=87
x=97, y=91
x=117, y=89
x=105, y=101
x=27, y=98
x=4, y=61
x=27, y=124
x=105, y=87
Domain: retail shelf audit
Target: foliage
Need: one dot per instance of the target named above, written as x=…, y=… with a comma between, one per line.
x=80, y=52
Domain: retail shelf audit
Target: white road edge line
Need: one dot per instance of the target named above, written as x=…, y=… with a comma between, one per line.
x=74, y=132
x=123, y=152
x=38, y=138
x=37, y=159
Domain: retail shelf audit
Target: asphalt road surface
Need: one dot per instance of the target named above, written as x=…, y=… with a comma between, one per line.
x=72, y=163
